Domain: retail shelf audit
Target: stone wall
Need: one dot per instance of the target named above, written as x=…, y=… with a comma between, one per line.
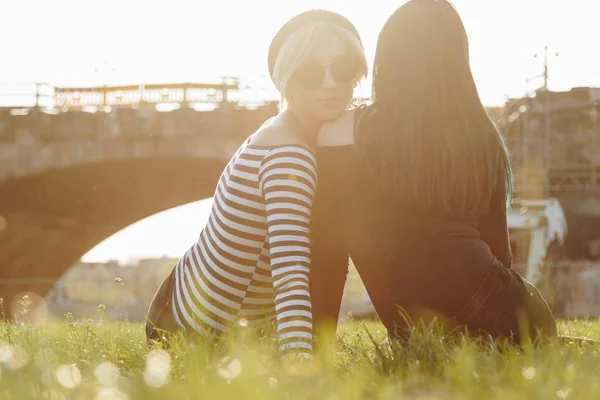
x=39, y=141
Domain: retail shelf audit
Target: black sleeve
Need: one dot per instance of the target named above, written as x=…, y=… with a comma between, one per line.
x=329, y=261
x=328, y=277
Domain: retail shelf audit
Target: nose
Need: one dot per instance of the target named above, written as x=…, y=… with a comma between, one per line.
x=328, y=81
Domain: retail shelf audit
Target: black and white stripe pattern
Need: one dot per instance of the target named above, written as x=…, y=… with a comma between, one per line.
x=252, y=259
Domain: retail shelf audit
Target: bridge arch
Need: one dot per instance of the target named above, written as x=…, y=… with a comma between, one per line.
x=54, y=218
x=61, y=195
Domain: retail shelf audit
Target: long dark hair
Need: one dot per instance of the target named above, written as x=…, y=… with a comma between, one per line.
x=427, y=137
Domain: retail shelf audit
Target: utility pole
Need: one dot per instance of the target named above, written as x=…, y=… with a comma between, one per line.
x=546, y=143
x=593, y=146
x=547, y=159
x=546, y=68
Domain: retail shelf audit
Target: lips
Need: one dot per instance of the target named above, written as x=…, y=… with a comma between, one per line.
x=331, y=100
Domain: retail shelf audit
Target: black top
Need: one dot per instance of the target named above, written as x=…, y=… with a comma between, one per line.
x=407, y=257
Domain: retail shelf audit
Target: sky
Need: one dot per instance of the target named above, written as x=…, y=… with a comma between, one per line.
x=80, y=42
x=169, y=233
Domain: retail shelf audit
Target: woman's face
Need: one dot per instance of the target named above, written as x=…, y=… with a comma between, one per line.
x=322, y=87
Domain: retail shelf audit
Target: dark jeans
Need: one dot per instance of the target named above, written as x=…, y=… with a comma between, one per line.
x=160, y=317
x=507, y=306
x=503, y=305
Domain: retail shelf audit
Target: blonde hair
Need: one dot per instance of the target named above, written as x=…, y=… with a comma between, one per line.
x=297, y=48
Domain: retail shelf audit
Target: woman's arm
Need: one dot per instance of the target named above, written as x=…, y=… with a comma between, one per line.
x=329, y=266
x=288, y=181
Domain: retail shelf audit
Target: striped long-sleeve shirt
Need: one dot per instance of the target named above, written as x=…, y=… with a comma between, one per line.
x=252, y=259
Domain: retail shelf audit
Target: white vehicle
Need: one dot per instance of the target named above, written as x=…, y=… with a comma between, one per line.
x=538, y=229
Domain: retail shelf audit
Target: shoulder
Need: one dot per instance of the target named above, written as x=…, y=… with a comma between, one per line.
x=283, y=146
x=276, y=132
x=268, y=132
x=339, y=132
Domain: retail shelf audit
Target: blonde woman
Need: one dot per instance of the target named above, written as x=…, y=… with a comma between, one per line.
x=252, y=260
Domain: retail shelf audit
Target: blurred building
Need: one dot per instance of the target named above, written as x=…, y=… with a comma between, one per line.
x=125, y=287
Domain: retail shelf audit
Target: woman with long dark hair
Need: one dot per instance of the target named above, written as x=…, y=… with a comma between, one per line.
x=415, y=186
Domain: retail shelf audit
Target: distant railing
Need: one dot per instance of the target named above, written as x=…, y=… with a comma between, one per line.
x=41, y=95
x=128, y=96
x=575, y=178
x=245, y=92
x=561, y=178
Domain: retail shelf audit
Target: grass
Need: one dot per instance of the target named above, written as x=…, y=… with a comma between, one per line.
x=110, y=360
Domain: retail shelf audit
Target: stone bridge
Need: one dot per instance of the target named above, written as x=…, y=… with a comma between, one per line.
x=69, y=180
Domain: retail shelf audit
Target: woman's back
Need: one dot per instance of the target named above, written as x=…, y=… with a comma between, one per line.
x=343, y=168
x=454, y=266
x=406, y=254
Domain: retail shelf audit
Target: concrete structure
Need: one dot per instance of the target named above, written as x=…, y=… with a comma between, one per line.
x=125, y=291
x=554, y=139
x=555, y=136
x=69, y=180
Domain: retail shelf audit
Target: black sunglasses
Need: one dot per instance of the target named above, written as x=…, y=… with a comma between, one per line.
x=343, y=69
